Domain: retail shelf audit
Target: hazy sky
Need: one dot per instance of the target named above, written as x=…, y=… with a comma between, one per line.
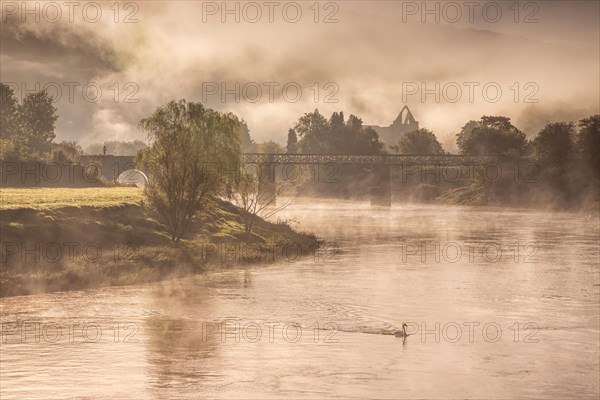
x=372, y=57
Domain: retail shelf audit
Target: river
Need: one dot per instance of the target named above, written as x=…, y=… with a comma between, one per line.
x=498, y=304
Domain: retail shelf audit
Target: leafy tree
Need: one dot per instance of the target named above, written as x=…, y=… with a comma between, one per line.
x=66, y=151
x=269, y=147
x=188, y=143
x=37, y=116
x=371, y=137
x=420, y=142
x=588, y=144
x=492, y=136
x=336, y=136
x=353, y=138
x=312, y=129
x=292, y=141
x=9, y=109
x=13, y=145
x=465, y=134
x=554, y=143
x=247, y=142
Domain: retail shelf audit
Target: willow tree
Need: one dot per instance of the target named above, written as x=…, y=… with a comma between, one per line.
x=192, y=154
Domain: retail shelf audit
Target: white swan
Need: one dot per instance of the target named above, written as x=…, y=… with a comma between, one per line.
x=401, y=333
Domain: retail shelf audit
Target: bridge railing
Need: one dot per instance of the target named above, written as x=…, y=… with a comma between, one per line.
x=364, y=159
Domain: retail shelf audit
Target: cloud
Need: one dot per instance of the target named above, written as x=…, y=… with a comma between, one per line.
x=369, y=56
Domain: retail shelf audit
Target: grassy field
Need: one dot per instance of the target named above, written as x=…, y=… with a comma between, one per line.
x=129, y=246
x=46, y=198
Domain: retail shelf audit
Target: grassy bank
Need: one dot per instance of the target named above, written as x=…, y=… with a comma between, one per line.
x=70, y=239
x=531, y=198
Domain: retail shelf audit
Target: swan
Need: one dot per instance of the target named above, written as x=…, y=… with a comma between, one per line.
x=401, y=333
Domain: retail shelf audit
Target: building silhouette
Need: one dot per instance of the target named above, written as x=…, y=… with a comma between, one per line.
x=404, y=123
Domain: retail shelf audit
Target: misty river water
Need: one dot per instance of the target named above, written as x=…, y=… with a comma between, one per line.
x=499, y=304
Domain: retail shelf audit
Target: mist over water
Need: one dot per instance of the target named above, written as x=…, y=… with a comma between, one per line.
x=326, y=319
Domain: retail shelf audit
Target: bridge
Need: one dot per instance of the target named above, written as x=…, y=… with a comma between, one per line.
x=381, y=194
x=380, y=166
x=364, y=159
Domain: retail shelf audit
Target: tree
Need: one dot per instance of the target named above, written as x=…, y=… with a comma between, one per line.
x=268, y=147
x=66, y=151
x=554, y=143
x=13, y=145
x=336, y=136
x=312, y=129
x=257, y=195
x=420, y=142
x=492, y=136
x=465, y=134
x=292, y=141
x=553, y=146
x=247, y=142
x=9, y=109
x=188, y=143
x=37, y=116
x=354, y=138
x=588, y=143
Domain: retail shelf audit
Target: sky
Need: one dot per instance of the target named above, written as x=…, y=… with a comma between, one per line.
x=270, y=62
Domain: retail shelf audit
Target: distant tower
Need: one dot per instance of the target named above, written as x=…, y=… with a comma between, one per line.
x=404, y=123
x=104, y=150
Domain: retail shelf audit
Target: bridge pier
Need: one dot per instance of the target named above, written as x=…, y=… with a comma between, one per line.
x=381, y=191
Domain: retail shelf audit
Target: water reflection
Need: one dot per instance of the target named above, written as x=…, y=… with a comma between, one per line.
x=511, y=322
x=177, y=354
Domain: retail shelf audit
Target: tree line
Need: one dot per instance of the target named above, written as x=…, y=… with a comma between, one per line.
x=491, y=135
x=567, y=154
x=185, y=138
x=27, y=128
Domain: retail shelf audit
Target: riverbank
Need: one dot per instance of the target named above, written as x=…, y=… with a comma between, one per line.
x=479, y=195
x=99, y=240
